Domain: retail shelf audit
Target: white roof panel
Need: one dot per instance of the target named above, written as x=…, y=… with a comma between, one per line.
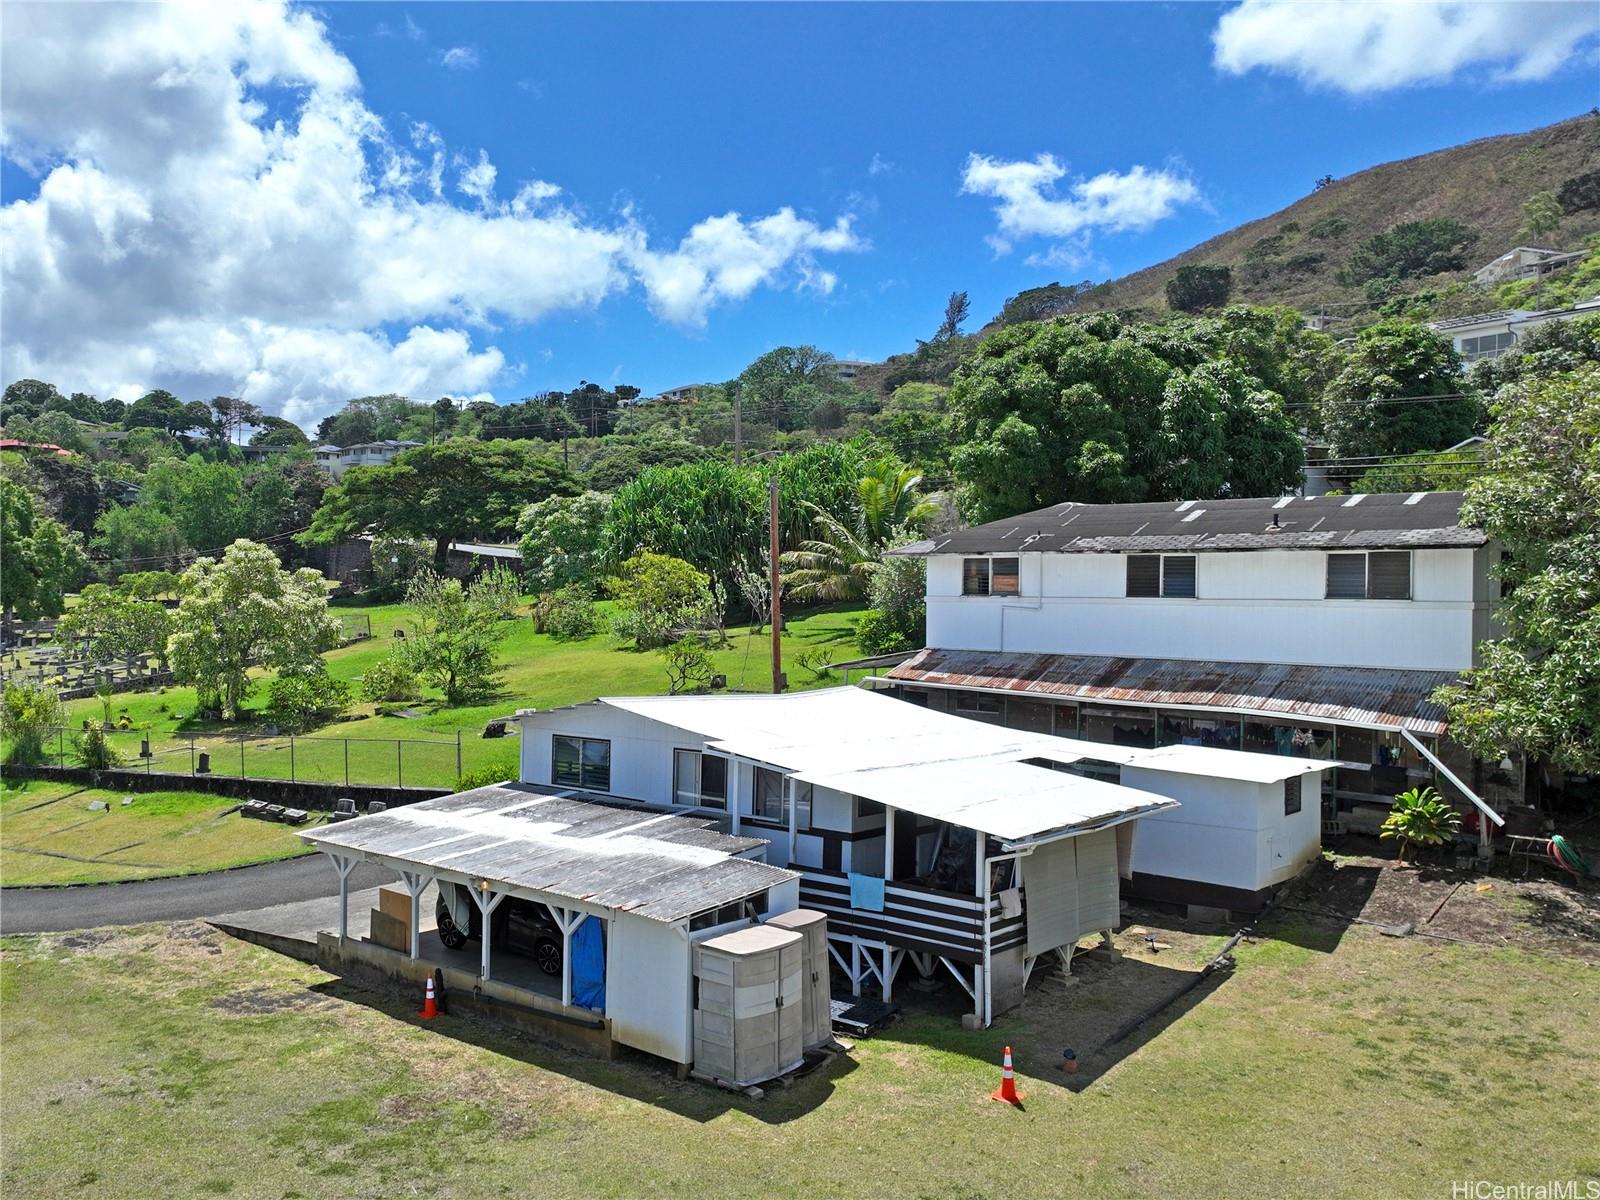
x=1009, y=800
x=1218, y=763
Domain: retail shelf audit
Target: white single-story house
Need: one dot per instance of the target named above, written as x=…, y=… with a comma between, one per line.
x=924, y=838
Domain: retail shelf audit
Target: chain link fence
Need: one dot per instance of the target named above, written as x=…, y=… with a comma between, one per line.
x=297, y=758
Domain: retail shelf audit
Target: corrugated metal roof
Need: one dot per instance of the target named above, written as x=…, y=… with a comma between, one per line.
x=1373, y=521
x=1349, y=695
x=651, y=864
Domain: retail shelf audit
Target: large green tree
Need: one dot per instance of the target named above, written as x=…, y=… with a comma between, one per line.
x=561, y=537
x=846, y=547
x=1401, y=391
x=456, y=629
x=244, y=609
x=40, y=562
x=1537, y=688
x=114, y=625
x=205, y=500
x=460, y=488
x=157, y=410
x=1097, y=409
x=137, y=537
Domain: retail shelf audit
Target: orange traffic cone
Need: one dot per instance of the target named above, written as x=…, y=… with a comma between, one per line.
x=1007, y=1091
x=430, y=1006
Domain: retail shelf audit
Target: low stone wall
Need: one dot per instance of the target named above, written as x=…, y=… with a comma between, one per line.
x=371, y=965
x=298, y=794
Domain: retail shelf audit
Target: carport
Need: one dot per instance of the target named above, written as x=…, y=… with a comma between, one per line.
x=642, y=876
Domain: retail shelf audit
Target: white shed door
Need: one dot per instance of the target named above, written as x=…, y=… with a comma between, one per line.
x=1050, y=876
x=1097, y=881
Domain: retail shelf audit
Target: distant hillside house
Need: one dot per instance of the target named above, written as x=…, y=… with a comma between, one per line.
x=688, y=393
x=848, y=368
x=44, y=447
x=336, y=460
x=1525, y=262
x=1489, y=335
x=1318, y=627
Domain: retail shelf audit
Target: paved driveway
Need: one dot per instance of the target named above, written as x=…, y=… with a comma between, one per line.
x=189, y=897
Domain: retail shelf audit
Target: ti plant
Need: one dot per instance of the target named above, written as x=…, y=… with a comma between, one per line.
x=1421, y=817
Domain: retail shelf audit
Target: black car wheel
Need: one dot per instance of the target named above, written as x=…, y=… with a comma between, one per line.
x=547, y=954
x=449, y=934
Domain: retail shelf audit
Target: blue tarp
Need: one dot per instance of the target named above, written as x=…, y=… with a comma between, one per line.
x=866, y=893
x=589, y=965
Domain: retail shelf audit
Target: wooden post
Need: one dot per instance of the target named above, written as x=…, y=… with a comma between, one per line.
x=777, y=612
x=888, y=845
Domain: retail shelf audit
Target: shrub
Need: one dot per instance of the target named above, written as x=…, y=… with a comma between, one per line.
x=488, y=776
x=898, y=616
x=1409, y=249
x=300, y=699
x=94, y=751
x=572, y=612
x=817, y=662
x=1328, y=227
x=877, y=632
x=657, y=595
x=1422, y=817
x=1198, y=286
x=29, y=715
x=689, y=667
x=1580, y=192
x=388, y=680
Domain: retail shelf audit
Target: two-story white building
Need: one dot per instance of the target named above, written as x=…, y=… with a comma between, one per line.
x=336, y=460
x=1318, y=627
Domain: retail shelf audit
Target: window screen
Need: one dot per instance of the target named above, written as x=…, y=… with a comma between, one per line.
x=768, y=804
x=1291, y=796
x=713, y=781
x=580, y=762
x=1389, y=575
x=1003, y=577
x=975, y=577
x=1347, y=577
x=1177, y=575
x=1144, y=574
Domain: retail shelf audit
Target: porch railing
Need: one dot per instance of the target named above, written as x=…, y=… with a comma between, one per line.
x=913, y=917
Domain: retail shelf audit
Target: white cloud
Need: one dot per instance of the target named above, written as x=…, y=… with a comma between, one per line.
x=879, y=165
x=1382, y=44
x=182, y=237
x=726, y=258
x=460, y=58
x=1113, y=202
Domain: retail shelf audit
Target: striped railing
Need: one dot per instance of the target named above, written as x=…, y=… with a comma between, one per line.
x=913, y=917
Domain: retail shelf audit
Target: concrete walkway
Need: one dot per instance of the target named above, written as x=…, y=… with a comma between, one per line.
x=186, y=898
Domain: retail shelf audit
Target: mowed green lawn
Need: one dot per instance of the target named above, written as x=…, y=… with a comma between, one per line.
x=173, y=1061
x=48, y=835
x=537, y=671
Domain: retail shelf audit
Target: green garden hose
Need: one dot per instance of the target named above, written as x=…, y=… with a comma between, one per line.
x=1565, y=856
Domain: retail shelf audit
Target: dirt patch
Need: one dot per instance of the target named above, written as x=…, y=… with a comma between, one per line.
x=88, y=939
x=264, y=1001
x=1490, y=909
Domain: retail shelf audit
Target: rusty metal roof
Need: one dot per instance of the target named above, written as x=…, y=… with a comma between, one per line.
x=1363, y=522
x=1342, y=695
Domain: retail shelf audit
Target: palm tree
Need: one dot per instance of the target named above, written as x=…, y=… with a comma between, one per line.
x=838, y=562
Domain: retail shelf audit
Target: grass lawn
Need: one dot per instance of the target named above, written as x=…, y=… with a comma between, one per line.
x=537, y=671
x=48, y=835
x=1342, y=1064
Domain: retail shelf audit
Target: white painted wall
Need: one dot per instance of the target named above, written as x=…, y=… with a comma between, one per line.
x=1259, y=606
x=1227, y=832
x=650, y=987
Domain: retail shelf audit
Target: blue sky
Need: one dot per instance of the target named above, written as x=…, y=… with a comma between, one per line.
x=652, y=119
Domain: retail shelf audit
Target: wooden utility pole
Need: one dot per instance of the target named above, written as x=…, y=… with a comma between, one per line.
x=778, y=680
